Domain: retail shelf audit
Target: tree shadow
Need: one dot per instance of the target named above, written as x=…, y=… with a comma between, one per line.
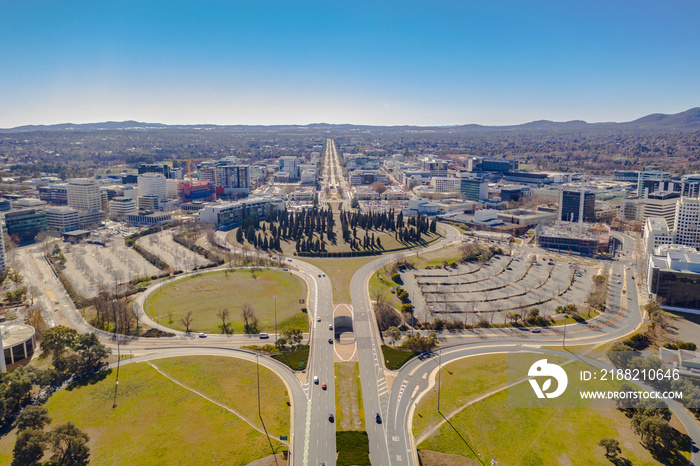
x=476, y=455
x=620, y=461
x=89, y=379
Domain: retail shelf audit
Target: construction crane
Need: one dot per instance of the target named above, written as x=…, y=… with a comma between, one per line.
x=189, y=171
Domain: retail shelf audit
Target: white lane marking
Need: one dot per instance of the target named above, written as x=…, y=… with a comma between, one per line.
x=308, y=433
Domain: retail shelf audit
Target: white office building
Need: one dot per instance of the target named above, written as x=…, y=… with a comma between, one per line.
x=688, y=222
x=444, y=184
x=84, y=195
x=3, y=252
x=656, y=233
x=153, y=184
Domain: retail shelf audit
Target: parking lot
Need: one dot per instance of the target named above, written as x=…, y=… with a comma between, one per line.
x=506, y=284
x=92, y=266
x=176, y=255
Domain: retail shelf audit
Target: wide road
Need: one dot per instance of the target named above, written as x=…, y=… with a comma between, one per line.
x=375, y=396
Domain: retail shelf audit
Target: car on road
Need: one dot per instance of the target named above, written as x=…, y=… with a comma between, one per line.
x=263, y=336
x=330, y=327
x=316, y=379
x=323, y=274
x=330, y=340
x=378, y=418
x=330, y=417
x=324, y=386
x=202, y=335
x=318, y=319
x=536, y=330
x=319, y=275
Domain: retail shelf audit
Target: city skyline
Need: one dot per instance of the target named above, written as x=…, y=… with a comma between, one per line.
x=378, y=64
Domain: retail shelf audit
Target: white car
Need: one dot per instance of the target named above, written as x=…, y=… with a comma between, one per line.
x=318, y=319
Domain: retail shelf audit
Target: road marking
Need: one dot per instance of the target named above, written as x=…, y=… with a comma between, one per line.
x=307, y=433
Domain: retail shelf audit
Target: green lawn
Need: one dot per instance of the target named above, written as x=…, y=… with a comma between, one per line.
x=159, y=422
x=340, y=272
x=353, y=448
x=208, y=293
x=348, y=397
x=394, y=358
x=294, y=358
x=542, y=436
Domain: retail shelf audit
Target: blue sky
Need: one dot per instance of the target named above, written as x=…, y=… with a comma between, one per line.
x=404, y=62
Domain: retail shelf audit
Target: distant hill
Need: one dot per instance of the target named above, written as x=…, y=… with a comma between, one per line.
x=688, y=120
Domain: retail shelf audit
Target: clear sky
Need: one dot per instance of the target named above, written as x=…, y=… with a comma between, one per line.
x=296, y=62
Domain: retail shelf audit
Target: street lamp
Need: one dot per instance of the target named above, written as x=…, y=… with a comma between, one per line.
x=116, y=385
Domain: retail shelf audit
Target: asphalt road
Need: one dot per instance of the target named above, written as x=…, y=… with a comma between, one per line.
x=313, y=438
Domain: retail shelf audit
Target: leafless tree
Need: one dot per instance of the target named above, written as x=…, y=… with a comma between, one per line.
x=250, y=320
x=223, y=315
x=187, y=321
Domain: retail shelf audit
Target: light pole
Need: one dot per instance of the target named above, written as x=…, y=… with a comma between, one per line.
x=275, y=298
x=116, y=385
x=439, y=376
x=563, y=342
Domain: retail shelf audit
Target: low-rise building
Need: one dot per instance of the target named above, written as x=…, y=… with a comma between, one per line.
x=528, y=218
x=566, y=237
x=122, y=206
x=226, y=216
x=149, y=218
x=656, y=233
x=673, y=278
x=62, y=219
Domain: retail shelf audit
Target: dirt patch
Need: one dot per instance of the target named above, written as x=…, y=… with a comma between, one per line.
x=436, y=458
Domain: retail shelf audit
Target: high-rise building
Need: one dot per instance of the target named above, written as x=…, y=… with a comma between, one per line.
x=3, y=251
x=84, y=194
x=484, y=164
x=687, y=222
x=474, y=189
x=161, y=168
x=661, y=204
x=576, y=204
x=645, y=176
x=288, y=164
x=153, y=184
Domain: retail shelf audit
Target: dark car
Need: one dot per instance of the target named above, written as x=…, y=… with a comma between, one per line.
x=330, y=340
x=330, y=417
x=378, y=418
